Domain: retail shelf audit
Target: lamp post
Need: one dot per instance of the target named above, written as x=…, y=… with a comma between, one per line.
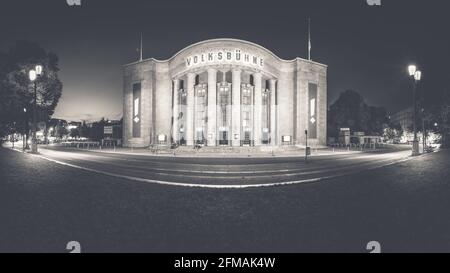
x=416, y=76
x=14, y=134
x=25, y=125
x=33, y=76
x=424, y=133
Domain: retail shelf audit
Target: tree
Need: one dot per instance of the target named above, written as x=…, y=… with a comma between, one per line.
x=443, y=120
x=96, y=132
x=61, y=130
x=350, y=111
x=16, y=89
x=84, y=130
x=378, y=120
x=393, y=132
x=75, y=133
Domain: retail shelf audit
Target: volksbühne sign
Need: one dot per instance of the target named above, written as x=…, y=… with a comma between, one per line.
x=225, y=56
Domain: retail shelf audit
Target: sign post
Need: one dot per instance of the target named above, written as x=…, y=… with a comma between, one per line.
x=307, y=149
x=108, y=135
x=108, y=130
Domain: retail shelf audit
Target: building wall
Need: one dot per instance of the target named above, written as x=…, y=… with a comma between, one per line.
x=291, y=79
x=142, y=72
x=404, y=118
x=163, y=101
x=286, y=102
x=306, y=73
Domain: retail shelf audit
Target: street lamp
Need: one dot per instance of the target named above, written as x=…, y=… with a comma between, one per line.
x=412, y=70
x=424, y=132
x=33, y=76
x=25, y=126
x=416, y=77
x=38, y=69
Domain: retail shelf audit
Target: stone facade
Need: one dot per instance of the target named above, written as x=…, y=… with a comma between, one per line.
x=224, y=92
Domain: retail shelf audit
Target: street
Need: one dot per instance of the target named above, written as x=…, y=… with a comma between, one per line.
x=216, y=171
x=44, y=205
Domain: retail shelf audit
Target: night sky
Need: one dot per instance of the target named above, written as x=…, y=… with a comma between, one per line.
x=367, y=48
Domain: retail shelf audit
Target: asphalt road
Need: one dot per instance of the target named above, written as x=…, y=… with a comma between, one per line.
x=223, y=172
x=404, y=206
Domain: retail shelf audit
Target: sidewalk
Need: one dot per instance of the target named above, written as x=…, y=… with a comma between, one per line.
x=206, y=154
x=203, y=153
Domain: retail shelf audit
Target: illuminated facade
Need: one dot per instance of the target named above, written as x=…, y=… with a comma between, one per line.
x=224, y=92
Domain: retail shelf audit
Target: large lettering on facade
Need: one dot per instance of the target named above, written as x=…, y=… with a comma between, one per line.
x=235, y=56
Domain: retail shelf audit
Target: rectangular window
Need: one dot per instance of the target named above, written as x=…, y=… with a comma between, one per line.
x=136, y=110
x=312, y=110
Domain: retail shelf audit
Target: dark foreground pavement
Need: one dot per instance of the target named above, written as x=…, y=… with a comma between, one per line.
x=44, y=205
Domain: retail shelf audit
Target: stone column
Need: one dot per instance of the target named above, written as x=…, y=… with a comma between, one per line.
x=212, y=107
x=190, y=109
x=273, y=125
x=176, y=110
x=236, y=109
x=257, y=77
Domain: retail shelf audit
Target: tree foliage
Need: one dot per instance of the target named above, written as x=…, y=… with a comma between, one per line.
x=442, y=118
x=17, y=91
x=350, y=111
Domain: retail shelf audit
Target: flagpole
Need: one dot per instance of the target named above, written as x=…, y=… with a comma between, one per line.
x=141, y=48
x=309, y=39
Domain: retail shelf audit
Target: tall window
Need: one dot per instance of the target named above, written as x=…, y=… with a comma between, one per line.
x=136, y=110
x=200, y=113
x=265, y=116
x=224, y=111
x=182, y=116
x=197, y=80
x=246, y=114
x=312, y=110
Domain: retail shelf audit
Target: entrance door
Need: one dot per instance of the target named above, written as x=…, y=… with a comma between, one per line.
x=247, y=140
x=223, y=140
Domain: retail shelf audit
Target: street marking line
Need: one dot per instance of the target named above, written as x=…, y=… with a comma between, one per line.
x=232, y=174
x=301, y=170
x=192, y=185
x=239, y=175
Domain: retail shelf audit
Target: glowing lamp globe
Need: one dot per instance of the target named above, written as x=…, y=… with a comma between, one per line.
x=412, y=70
x=32, y=75
x=418, y=75
x=38, y=69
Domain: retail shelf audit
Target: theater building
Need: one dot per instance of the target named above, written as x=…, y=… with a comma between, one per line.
x=224, y=92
